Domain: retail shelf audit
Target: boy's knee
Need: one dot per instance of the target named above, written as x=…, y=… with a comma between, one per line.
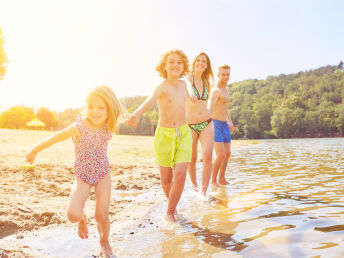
x=166, y=181
x=101, y=217
x=73, y=217
x=180, y=175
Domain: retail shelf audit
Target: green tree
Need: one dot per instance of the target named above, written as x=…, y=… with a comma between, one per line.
x=297, y=120
x=48, y=117
x=16, y=117
x=249, y=125
x=327, y=118
x=311, y=123
x=263, y=113
x=281, y=122
x=67, y=117
x=339, y=113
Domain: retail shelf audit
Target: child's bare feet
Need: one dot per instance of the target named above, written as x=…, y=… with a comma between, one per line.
x=223, y=182
x=82, y=227
x=106, y=248
x=171, y=217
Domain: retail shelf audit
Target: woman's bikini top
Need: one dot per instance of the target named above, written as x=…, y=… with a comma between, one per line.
x=205, y=94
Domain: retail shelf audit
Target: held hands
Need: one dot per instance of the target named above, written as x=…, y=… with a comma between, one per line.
x=133, y=120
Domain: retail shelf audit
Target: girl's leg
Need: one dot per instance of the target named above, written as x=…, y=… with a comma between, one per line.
x=207, y=143
x=220, y=151
x=192, y=164
x=103, y=199
x=77, y=199
x=166, y=175
x=179, y=176
x=224, y=163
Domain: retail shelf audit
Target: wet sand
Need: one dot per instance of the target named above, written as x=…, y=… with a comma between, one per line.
x=35, y=198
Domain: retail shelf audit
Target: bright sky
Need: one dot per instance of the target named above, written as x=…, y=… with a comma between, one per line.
x=60, y=49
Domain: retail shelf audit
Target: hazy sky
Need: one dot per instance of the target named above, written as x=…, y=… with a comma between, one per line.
x=60, y=49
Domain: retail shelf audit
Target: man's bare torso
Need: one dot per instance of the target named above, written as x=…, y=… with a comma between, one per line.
x=220, y=107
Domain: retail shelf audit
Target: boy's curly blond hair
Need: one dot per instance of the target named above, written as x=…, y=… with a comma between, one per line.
x=161, y=66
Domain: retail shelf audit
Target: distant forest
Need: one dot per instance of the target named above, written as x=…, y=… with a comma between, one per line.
x=303, y=104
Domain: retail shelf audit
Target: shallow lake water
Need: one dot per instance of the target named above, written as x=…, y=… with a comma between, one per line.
x=285, y=199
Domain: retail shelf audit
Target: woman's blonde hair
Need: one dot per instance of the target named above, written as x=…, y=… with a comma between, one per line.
x=161, y=66
x=207, y=75
x=112, y=104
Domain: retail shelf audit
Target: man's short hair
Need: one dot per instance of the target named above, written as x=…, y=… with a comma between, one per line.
x=224, y=67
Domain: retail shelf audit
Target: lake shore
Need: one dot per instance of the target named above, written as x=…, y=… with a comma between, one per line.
x=37, y=198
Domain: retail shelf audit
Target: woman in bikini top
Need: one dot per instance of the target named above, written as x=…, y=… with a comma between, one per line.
x=199, y=118
x=205, y=93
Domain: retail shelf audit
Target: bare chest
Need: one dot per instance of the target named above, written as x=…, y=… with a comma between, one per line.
x=173, y=98
x=224, y=96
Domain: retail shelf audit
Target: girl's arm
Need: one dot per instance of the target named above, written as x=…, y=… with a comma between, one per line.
x=55, y=138
x=148, y=104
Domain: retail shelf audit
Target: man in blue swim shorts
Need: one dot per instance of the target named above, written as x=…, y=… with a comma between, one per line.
x=223, y=125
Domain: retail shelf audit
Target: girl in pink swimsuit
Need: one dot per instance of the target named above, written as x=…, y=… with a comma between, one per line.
x=90, y=136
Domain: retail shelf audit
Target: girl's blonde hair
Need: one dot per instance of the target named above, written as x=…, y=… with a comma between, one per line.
x=207, y=75
x=162, y=64
x=112, y=104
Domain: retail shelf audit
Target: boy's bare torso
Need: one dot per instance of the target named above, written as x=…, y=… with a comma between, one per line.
x=171, y=104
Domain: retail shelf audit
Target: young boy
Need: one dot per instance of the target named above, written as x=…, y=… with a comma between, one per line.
x=173, y=140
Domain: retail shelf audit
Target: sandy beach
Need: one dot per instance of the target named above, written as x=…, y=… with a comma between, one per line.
x=36, y=198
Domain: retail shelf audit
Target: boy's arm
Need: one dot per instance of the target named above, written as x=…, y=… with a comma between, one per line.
x=55, y=138
x=214, y=95
x=148, y=104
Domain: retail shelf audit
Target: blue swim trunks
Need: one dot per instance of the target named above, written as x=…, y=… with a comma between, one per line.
x=221, y=131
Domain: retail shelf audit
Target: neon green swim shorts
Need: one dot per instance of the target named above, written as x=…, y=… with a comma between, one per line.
x=172, y=145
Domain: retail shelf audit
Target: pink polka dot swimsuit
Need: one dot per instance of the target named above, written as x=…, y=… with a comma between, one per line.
x=91, y=161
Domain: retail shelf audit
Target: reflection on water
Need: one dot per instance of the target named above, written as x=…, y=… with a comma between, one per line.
x=286, y=199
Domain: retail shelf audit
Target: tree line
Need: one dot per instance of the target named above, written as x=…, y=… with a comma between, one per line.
x=304, y=104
